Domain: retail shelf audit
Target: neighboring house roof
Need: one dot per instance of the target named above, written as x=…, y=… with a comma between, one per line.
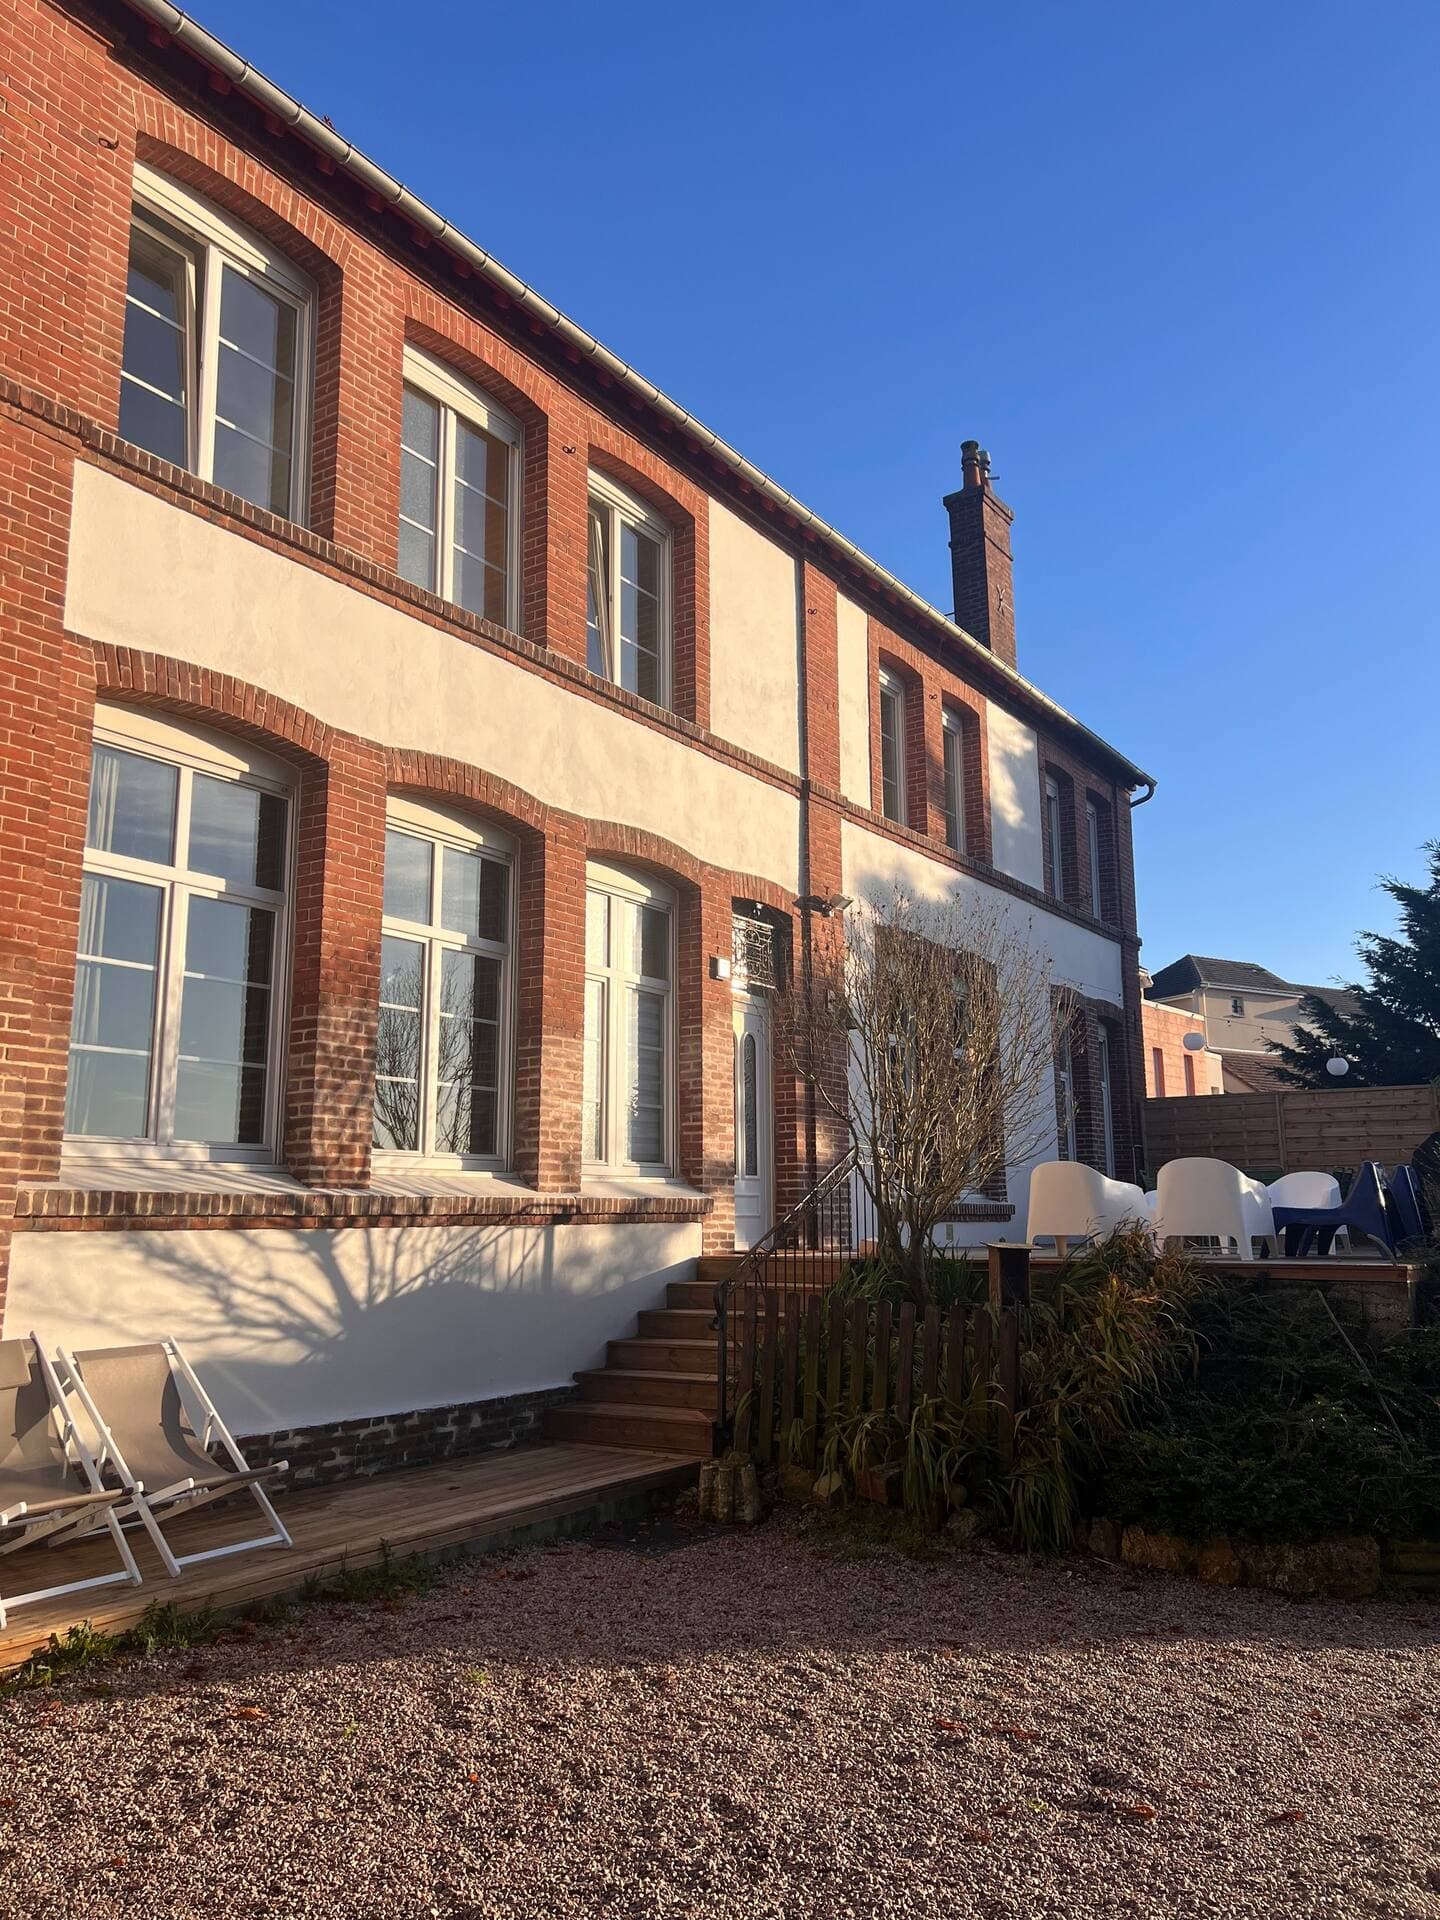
x=1254, y=1072
x=1340, y=998
x=1194, y=970
x=385, y=191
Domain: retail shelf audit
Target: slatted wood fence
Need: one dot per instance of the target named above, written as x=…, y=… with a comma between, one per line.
x=1293, y=1131
x=807, y=1364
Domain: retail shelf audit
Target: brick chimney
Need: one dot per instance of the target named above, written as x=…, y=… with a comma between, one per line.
x=980, y=563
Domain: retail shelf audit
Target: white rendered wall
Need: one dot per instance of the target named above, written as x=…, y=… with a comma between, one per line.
x=302, y=1328
x=1088, y=962
x=143, y=573
x=852, y=632
x=754, y=641
x=1015, y=837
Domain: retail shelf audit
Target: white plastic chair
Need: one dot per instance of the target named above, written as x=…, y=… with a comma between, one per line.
x=1309, y=1190
x=1199, y=1199
x=1070, y=1201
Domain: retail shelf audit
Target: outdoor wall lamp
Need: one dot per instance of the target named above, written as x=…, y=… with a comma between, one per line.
x=823, y=904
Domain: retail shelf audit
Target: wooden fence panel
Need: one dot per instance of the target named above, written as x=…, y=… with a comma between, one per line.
x=880, y=1397
x=1296, y=1130
x=905, y=1371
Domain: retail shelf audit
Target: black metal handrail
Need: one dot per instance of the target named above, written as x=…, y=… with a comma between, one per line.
x=791, y=1258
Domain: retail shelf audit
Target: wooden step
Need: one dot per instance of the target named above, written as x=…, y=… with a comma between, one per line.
x=675, y=1323
x=663, y=1356
x=691, y=1293
x=682, y=1430
x=649, y=1388
x=711, y=1267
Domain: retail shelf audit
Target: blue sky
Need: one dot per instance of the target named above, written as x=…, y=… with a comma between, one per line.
x=1176, y=267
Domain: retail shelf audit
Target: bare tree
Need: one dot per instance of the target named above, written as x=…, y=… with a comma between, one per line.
x=930, y=1036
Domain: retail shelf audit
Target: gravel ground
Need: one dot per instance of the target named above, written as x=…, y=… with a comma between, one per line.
x=697, y=1723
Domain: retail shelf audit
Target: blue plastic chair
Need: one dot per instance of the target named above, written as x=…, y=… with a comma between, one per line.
x=1409, y=1203
x=1367, y=1209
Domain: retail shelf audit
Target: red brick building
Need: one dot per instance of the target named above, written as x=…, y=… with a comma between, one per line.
x=420, y=739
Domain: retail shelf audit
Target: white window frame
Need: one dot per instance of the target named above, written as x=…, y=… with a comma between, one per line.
x=1055, y=821
x=196, y=750
x=1107, y=1099
x=617, y=977
x=1066, y=1140
x=1092, y=835
x=892, y=699
x=621, y=508
x=212, y=241
x=952, y=748
x=442, y=828
x=458, y=399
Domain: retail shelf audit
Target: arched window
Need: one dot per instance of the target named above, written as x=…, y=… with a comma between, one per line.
x=629, y=1084
x=459, y=493
x=177, y=1026
x=215, y=369
x=443, y=1059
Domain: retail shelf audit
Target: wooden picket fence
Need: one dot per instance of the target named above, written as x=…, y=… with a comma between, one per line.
x=823, y=1361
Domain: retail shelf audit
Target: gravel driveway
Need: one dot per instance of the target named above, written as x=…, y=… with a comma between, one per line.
x=744, y=1725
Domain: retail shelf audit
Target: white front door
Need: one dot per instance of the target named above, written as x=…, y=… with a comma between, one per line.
x=754, y=1149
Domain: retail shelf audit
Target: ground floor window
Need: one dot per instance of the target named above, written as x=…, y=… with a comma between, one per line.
x=629, y=1081
x=176, y=1029
x=443, y=1049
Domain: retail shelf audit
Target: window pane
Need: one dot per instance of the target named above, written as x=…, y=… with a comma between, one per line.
x=954, y=791
x=593, y=1114
x=416, y=560
x=482, y=487
x=480, y=587
x=407, y=877
x=152, y=388
x=750, y=1160
x=468, y=1069
x=597, y=930
x=652, y=955
x=107, y=1092
x=420, y=426
x=598, y=593
x=647, y=1078
x=132, y=805
x=892, y=755
x=255, y=392
x=473, y=893
x=224, y=1023
x=237, y=832
x=639, y=613
x=397, y=1056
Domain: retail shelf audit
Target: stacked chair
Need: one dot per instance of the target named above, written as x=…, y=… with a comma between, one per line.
x=155, y=1447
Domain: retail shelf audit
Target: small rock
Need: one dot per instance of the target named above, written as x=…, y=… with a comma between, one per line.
x=1219, y=1563
x=1105, y=1539
x=829, y=1490
x=1165, y=1552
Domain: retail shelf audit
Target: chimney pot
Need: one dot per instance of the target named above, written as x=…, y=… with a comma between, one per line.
x=970, y=463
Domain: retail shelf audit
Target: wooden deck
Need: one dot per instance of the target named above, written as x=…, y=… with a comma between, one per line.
x=483, y=1502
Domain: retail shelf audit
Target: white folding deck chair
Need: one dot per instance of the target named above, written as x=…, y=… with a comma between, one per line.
x=50, y=1486
x=134, y=1397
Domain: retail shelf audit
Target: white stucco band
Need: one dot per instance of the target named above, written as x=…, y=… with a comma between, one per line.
x=304, y=1328
x=145, y=573
x=1090, y=963
x=1017, y=846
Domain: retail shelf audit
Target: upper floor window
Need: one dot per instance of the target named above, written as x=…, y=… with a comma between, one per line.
x=442, y=1066
x=1092, y=844
x=1237, y=1005
x=628, y=624
x=1107, y=1099
x=953, y=742
x=892, y=748
x=1157, y=1072
x=216, y=360
x=459, y=490
x=1055, y=834
x=1065, y=1145
x=629, y=1079
x=176, y=1031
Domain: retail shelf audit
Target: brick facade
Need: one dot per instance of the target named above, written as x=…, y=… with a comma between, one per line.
x=88, y=93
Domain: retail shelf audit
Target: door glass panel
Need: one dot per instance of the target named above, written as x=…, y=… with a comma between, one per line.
x=224, y=1023
x=749, y=1110
x=113, y=1021
x=397, y=1056
x=132, y=806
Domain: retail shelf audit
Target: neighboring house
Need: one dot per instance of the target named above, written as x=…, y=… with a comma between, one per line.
x=425, y=745
x=1240, y=1007
x=1171, y=1068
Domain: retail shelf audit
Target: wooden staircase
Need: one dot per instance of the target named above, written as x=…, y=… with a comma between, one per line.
x=657, y=1389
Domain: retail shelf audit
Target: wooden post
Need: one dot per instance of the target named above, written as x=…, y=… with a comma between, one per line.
x=1009, y=1273
x=1007, y=1398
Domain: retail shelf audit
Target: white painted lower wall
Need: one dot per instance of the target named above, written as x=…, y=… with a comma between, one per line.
x=304, y=1328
